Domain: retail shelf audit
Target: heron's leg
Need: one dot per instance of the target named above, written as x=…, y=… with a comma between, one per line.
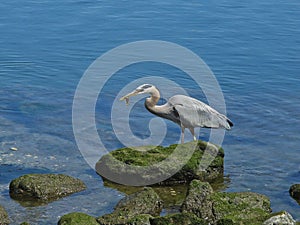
x=182, y=134
x=193, y=133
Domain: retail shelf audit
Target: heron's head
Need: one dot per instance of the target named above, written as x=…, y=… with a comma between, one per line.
x=142, y=89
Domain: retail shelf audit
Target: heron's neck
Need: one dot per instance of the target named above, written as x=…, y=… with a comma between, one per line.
x=153, y=99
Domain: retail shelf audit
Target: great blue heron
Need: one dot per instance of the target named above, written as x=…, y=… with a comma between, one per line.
x=187, y=112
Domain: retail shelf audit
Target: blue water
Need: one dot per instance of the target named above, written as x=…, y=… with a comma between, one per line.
x=253, y=48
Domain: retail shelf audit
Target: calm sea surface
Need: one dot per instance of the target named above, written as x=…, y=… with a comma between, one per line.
x=253, y=48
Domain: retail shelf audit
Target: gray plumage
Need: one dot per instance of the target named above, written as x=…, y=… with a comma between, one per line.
x=186, y=111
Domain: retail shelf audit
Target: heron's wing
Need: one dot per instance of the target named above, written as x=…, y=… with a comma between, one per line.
x=194, y=113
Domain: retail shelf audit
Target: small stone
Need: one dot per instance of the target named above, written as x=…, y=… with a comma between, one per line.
x=281, y=218
x=14, y=149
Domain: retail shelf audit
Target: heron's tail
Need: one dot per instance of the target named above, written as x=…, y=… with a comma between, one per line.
x=224, y=122
x=229, y=124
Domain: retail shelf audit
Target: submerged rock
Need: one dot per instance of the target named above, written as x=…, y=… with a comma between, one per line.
x=178, y=218
x=4, y=220
x=226, y=208
x=295, y=192
x=77, y=218
x=44, y=187
x=176, y=163
x=281, y=218
x=172, y=196
x=133, y=209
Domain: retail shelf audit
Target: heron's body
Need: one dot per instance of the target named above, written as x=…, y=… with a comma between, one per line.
x=187, y=112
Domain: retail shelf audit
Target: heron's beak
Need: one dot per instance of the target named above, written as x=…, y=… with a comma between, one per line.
x=126, y=97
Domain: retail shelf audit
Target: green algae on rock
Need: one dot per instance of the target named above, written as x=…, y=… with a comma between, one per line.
x=178, y=218
x=117, y=163
x=240, y=207
x=77, y=218
x=44, y=187
x=226, y=208
x=132, y=207
x=4, y=220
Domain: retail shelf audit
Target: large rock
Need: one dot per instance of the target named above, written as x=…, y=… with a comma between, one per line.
x=178, y=218
x=77, y=218
x=226, y=208
x=196, y=201
x=295, y=192
x=44, y=187
x=245, y=207
x=135, y=209
x=4, y=220
x=177, y=163
x=281, y=218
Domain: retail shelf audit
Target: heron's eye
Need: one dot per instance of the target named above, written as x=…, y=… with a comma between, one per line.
x=146, y=86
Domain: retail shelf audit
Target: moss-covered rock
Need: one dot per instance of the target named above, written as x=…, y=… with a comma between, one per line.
x=4, y=220
x=178, y=218
x=196, y=200
x=132, y=207
x=77, y=218
x=226, y=208
x=295, y=192
x=280, y=218
x=44, y=187
x=177, y=163
x=241, y=208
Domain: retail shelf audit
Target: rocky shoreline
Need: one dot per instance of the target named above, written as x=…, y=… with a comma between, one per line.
x=192, y=190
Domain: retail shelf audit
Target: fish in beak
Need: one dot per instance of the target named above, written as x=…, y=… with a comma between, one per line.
x=126, y=97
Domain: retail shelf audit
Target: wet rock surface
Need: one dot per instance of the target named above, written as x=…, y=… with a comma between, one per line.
x=44, y=187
